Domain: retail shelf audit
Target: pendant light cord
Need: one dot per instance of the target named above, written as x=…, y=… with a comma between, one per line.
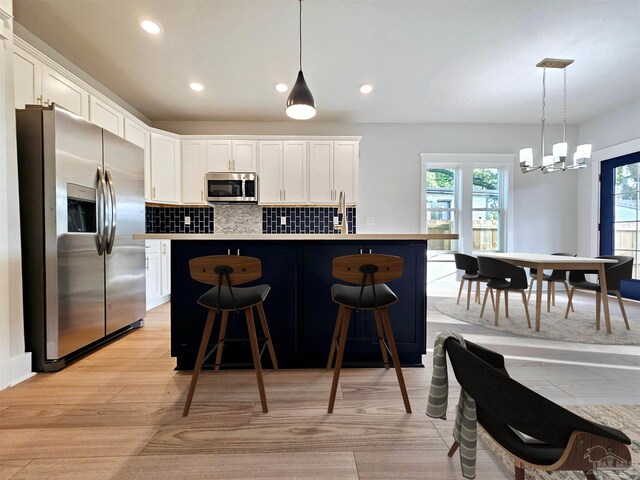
x=300, y=23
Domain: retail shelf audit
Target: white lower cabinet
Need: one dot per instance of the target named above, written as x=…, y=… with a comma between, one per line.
x=158, y=265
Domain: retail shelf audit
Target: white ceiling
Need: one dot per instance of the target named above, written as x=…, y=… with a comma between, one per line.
x=430, y=61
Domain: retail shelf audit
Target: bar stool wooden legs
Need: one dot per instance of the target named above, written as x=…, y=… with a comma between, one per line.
x=224, y=297
x=198, y=366
x=368, y=272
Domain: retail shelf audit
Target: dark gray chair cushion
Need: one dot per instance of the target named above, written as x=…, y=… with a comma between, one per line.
x=349, y=295
x=244, y=297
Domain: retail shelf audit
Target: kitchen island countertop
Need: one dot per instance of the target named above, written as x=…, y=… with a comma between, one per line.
x=296, y=236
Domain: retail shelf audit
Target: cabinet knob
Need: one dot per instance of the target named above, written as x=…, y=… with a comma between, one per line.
x=153, y=192
x=201, y=194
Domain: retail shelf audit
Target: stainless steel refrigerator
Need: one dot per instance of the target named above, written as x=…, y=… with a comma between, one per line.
x=81, y=199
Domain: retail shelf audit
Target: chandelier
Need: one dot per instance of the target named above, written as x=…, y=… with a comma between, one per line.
x=557, y=161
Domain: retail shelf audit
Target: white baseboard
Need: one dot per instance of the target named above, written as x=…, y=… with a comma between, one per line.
x=155, y=302
x=19, y=369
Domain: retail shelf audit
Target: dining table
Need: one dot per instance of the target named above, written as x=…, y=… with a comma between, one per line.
x=542, y=262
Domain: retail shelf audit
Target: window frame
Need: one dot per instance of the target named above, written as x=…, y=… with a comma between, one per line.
x=464, y=163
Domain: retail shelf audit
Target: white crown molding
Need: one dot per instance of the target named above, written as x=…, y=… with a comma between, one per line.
x=5, y=24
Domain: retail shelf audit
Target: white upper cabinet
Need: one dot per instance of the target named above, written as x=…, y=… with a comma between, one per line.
x=137, y=134
x=243, y=155
x=105, y=116
x=231, y=155
x=333, y=166
x=194, y=168
x=219, y=156
x=38, y=84
x=165, y=169
x=321, y=172
x=27, y=76
x=270, y=174
x=282, y=177
x=294, y=172
x=345, y=169
x=59, y=89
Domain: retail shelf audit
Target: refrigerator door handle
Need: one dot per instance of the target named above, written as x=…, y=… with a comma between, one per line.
x=112, y=195
x=102, y=216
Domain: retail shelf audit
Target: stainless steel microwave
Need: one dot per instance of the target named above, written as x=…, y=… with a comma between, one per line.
x=232, y=187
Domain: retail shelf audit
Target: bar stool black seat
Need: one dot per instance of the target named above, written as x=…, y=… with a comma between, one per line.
x=224, y=272
x=369, y=272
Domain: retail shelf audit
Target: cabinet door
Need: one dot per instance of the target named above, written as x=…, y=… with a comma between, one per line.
x=154, y=291
x=317, y=328
x=165, y=267
x=27, y=76
x=269, y=174
x=218, y=156
x=194, y=165
x=243, y=157
x=321, y=172
x=58, y=89
x=138, y=135
x=165, y=169
x=408, y=314
x=105, y=116
x=345, y=170
x=294, y=172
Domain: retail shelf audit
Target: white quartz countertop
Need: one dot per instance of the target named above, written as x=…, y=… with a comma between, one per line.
x=296, y=236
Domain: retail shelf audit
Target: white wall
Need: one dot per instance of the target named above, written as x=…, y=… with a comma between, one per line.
x=389, y=189
x=15, y=364
x=612, y=135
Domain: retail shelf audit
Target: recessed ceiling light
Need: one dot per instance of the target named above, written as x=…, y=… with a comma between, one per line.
x=198, y=87
x=150, y=26
x=282, y=87
x=366, y=88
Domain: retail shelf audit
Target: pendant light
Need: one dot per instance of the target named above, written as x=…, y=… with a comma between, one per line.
x=300, y=104
x=557, y=161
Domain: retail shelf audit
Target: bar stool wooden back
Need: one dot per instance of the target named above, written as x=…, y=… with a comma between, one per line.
x=368, y=272
x=224, y=272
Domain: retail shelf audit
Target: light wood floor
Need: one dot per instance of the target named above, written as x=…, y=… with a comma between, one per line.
x=116, y=414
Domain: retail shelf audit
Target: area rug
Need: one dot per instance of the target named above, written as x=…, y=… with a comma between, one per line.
x=579, y=327
x=625, y=418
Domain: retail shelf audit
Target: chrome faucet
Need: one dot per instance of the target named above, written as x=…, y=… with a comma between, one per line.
x=341, y=224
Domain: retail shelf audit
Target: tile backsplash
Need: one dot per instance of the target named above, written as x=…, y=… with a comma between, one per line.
x=171, y=219
x=230, y=218
x=304, y=219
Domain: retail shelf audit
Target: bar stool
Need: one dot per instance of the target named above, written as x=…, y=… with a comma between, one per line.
x=368, y=272
x=227, y=271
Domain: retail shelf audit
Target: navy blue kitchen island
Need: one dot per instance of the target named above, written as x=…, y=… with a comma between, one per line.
x=299, y=310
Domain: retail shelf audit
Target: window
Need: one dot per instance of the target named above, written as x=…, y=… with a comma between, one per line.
x=440, y=204
x=486, y=209
x=467, y=194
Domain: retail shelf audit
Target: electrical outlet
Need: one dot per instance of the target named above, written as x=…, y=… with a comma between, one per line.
x=336, y=220
x=369, y=220
x=283, y=220
x=187, y=220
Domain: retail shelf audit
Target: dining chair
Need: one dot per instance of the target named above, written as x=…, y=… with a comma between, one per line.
x=551, y=279
x=534, y=431
x=470, y=266
x=503, y=277
x=614, y=274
